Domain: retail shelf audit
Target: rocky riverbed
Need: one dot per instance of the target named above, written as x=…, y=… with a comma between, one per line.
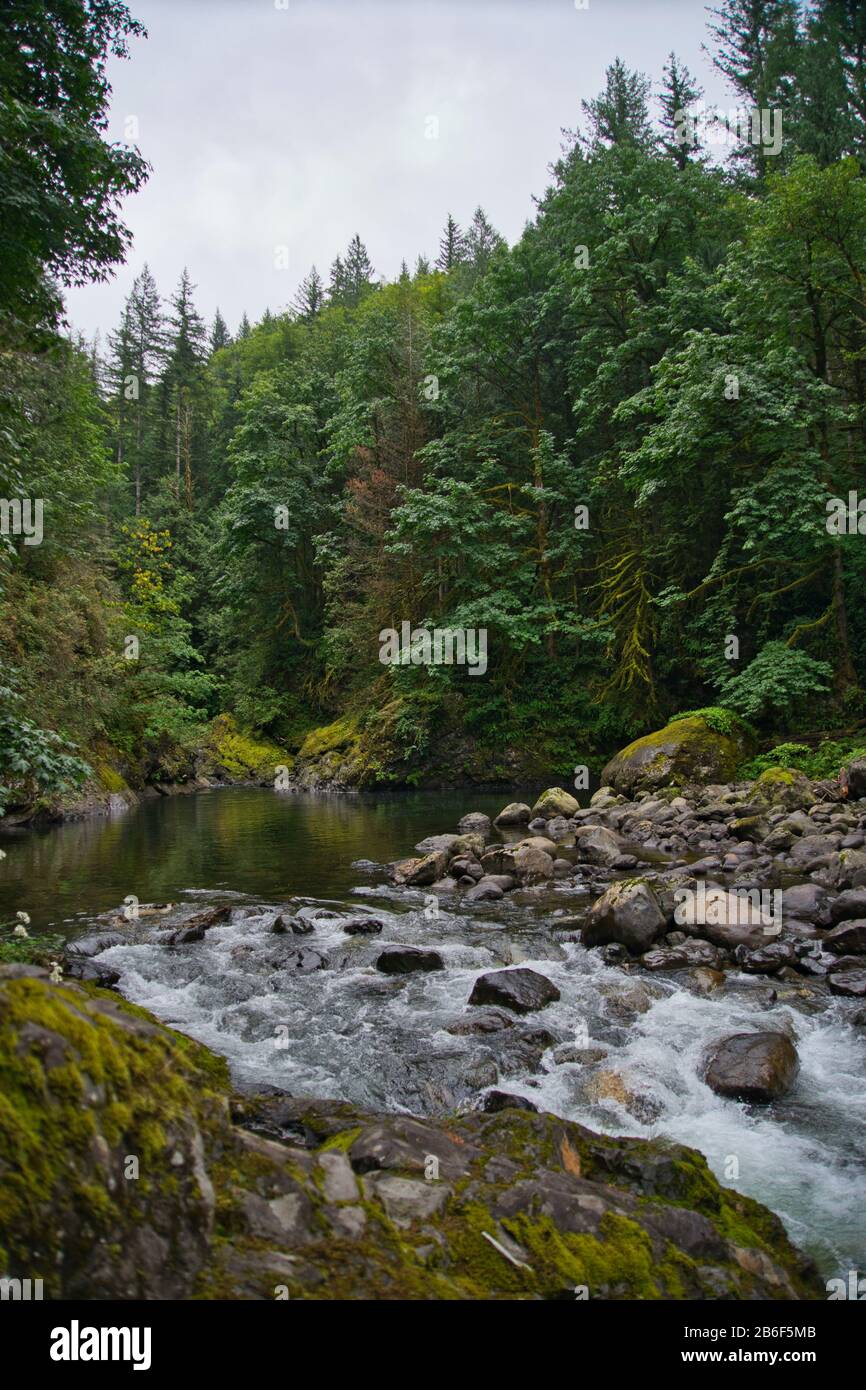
x=683, y=964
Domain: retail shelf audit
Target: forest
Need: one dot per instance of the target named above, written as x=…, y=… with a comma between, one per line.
x=628, y=447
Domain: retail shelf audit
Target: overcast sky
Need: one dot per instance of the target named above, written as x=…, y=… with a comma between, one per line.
x=295, y=123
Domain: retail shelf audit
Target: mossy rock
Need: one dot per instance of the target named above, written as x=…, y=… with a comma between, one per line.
x=683, y=752
x=324, y=1201
x=785, y=787
x=240, y=756
x=342, y=734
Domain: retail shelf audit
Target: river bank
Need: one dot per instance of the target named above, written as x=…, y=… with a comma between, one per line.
x=558, y=961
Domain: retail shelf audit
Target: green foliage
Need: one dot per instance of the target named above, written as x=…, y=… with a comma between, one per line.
x=33, y=761
x=776, y=680
x=825, y=760
x=719, y=719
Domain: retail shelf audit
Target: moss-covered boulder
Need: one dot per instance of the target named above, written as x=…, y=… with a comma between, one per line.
x=128, y=1170
x=685, y=751
x=228, y=754
x=786, y=788
x=555, y=802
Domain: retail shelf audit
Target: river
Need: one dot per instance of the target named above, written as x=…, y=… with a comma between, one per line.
x=383, y=1041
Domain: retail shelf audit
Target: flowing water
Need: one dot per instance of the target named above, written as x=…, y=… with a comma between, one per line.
x=382, y=1041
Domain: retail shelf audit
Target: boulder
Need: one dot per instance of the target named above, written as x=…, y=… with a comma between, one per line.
x=194, y=928
x=432, y=843
x=405, y=960
x=784, y=788
x=849, y=936
x=515, y=813
x=597, y=845
x=851, y=984
x=686, y=750
x=532, y=865
x=486, y=890
x=628, y=912
x=520, y=990
x=555, y=802
x=474, y=822
x=856, y=775
x=756, y=1067
x=362, y=926
x=726, y=918
x=417, y=873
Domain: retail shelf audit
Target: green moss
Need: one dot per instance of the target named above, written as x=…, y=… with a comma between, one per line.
x=339, y=735
x=108, y=777
x=57, y=1052
x=241, y=755
x=720, y=720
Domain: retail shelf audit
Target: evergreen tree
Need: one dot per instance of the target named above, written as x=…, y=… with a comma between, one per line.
x=679, y=94
x=183, y=383
x=358, y=272
x=244, y=330
x=219, y=333
x=452, y=248
x=482, y=240
x=422, y=267
x=758, y=52
x=620, y=114
x=309, y=298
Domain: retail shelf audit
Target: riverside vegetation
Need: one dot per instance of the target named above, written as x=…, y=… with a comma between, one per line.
x=611, y=445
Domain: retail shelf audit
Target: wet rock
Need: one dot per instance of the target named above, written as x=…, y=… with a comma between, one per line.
x=93, y=945
x=418, y=873
x=362, y=926
x=754, y=1067
x=405, y=960
x=515, y=813
x=691, y=952
x=496, y=1101
x=584, y=1056
x=520, y=990
x=849, y=936
x=194, y=928
x=532, y=865
x=486, y=890
x=811, y=850
x=84, y=968
x=849, y=904
x=304, y=959
x=726, y=918
x=476, y=822
x=811, y=903
x=436, y=843
x=627, y=913
x=555, y=802
x=483, y=1020
x=597, y=845
x=284, y=924
x=766, y=960
x=849, y=983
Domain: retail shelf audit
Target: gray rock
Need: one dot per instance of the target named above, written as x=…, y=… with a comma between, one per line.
x=627, y=913
x=520, y=990
x=405, y=960
x=756, y=1067
x=515, y=813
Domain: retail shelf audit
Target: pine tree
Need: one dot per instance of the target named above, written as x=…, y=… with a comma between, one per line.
x=244, y=330
x=482, y=239
x=758, y=52
x=309, y=297
x=679, y=93
x=452, y=247
x=620, y=114
x=337, y=284
x=358, y=270
x=219, y=334
x=422, y=267
x=183, y=380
